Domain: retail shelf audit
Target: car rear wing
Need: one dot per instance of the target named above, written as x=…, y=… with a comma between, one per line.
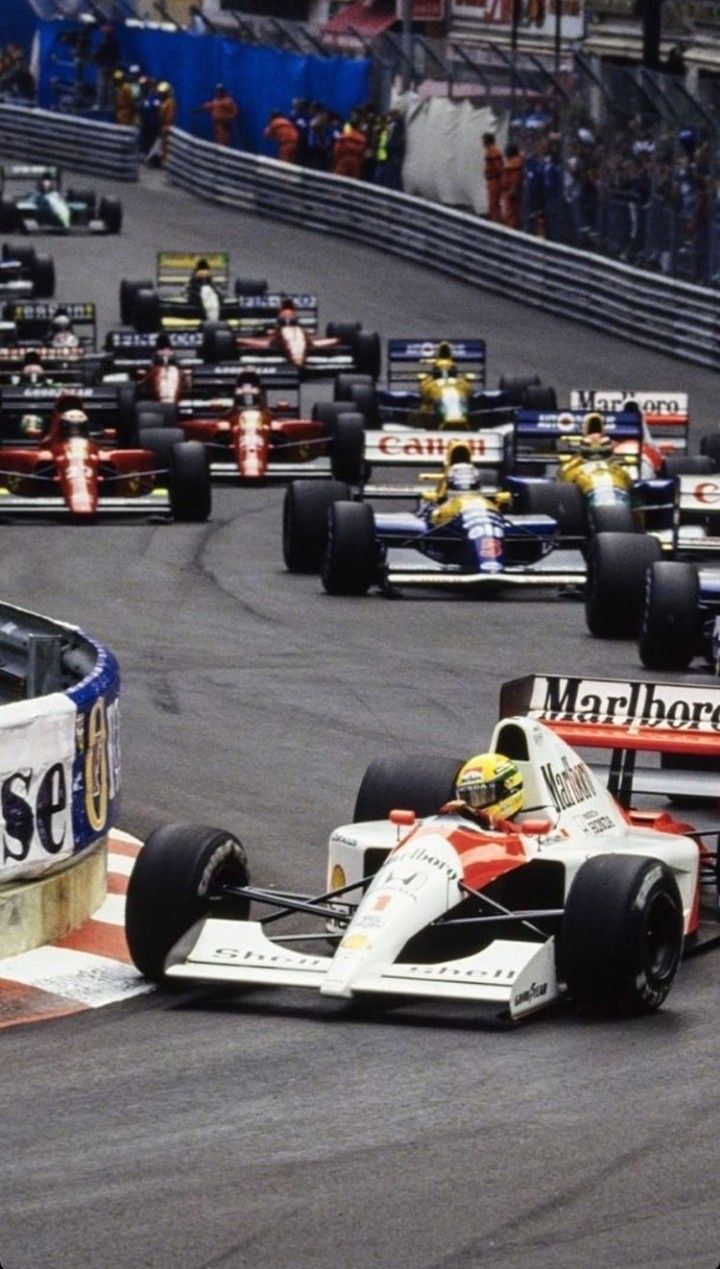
x=103, y=403
x=545, y=436
x=32, y=319
x=667, y=414
x=28, y=172
x=130, y=349
x=221, y=378
x=63, y=365
x=627, y=718
x=409, y=358
x=173, y=268
x=259, y=313
x=422, y=448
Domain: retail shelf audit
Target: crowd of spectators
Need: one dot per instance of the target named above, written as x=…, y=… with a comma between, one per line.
x=16, y=79
x=367, y=145
x=636, y=189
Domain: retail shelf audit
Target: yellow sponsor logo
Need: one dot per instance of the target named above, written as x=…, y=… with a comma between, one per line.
x=97, y=774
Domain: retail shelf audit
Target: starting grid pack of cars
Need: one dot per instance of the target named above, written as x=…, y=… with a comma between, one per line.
x=422, y=479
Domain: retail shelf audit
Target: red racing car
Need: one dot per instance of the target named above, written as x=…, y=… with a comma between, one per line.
x=61, y=467
x=251, y=439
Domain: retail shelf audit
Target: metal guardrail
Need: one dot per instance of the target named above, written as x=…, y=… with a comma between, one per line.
x=661, y=313
x=87, y=145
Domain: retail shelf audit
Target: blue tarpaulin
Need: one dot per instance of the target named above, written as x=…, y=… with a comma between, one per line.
x=17, y=23
x=260, y=79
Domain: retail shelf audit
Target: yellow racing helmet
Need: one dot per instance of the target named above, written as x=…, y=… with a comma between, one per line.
x=491, y=782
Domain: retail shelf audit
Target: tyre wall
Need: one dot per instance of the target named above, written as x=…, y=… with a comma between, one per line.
x=59, y=750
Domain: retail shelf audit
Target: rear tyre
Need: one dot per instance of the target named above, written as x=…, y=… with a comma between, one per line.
x=421, y=783
x=538, y=397
x=147, y=312
x=189, y=485
x=669, y=626
x=514, y=387
x=128, y=292
x=710, y=446
x=305, y=518
x=621, y=937
x=364, y=399
x=690, y=464
x=351, y=556
x=367, y=352
x=111, y=212
x=556, y=498
x=43, y=276
x=347, y=449
x=178, y=871
x=156, y=414
x=251, y=286
x=615, y=588
x=345, y=382
x=328, y=413
x=218, y=343
x=344, y=331
x=9, y=218
x=160, y=441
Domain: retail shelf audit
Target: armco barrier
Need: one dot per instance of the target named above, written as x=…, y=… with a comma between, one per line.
x=87, y=145
x=59, y=763
x=661, y=313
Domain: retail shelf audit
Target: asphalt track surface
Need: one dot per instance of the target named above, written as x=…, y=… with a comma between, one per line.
x=280, y=1130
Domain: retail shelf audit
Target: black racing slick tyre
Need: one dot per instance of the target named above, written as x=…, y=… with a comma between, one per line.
x=110, y=211
x=156, y=414
x=689, y=464
x=669, y=627
x=364, y=399
x=344, y=331
x=615, y=588
x=556, y=498
x=328, y=413
x=347, y=449
x=147, y=312
x=161, y=441
x=9, y=217
x=344, y=383
x=350, y=563
x=621, y=938
x=514, y=387
x=128, y=292
x=250, y=286
x=218, y=343
x=612, y=517
x=420, y=783
x=710, y=446
x=179, y=870
x=43, y=277
x=539, y=397
x=367, y=352
x=305, y=519
x=189, y=484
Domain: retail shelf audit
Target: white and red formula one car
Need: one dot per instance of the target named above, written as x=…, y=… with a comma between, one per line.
x=580, y=895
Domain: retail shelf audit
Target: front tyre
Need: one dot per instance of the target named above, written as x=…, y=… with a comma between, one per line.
x=669, y=628
x=615, y=589
x=305, y=521
x=179, y=870
x=621, y=938
x=189, y=484
x=350, y=565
